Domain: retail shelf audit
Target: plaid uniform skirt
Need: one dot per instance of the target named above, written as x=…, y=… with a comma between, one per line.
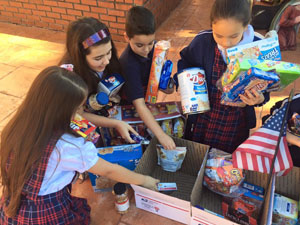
x=53, y=209
x=223, y=127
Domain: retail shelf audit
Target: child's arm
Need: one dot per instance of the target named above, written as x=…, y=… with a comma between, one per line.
x=121, y=174
x=165, y=140
x=293, y=139
x=101, y=121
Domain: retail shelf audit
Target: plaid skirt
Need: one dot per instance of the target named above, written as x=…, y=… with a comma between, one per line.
x=53, y=209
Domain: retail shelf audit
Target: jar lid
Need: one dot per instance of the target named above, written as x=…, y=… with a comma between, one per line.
x=119, y=188
x=102, y=98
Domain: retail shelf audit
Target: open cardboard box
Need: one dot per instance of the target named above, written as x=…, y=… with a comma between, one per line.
x=211, y=203
x=174, y=205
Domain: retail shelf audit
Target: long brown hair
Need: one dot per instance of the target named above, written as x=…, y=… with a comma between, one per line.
x=78, y=31
x=46, y=111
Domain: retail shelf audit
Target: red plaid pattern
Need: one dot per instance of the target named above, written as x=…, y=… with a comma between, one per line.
x=56, y=208
x=223, y=127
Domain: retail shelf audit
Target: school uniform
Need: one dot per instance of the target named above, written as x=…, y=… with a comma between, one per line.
x=46, y=195
x=136, y=71
x=223, y=127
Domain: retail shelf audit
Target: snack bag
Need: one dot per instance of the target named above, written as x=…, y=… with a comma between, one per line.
x=220, y=176
x=159, y=56
x=167, y=127
x=84, y=128
x=253, y=79
x=178, y=127
x=170, y=160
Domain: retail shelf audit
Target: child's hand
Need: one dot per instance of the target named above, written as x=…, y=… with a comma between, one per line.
x=297, y=19
x=252, y=98
x=166, y=141
x=150, y=183
x=124, y=129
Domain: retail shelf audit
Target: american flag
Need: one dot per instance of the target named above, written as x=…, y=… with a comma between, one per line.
x=257, y=152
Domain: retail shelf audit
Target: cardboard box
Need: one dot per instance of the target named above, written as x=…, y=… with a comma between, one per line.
x=209, y=204
x=174, y=205
x=127, y=156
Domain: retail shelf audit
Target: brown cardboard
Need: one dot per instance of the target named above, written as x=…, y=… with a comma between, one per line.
x=174, y=205
x=211, y=201
x=184, y=177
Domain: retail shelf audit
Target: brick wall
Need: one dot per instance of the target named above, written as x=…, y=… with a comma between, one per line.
x=56, y=14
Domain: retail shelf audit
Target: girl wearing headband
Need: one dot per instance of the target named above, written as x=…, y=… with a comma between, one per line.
x=90, y=49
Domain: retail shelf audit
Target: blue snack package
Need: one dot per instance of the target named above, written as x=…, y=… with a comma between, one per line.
x=253, y=79
x=165, y=75
x=139, y=139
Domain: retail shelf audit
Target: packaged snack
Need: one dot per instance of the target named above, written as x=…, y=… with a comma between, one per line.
x=245, y=208
x=288, y=72
x=294, y=124
x=232, y=71
x=166, y=187
x=139, y=139
x=159, y=56
x=178, y=127
x=170, y=160
x=167, y=127
x=220, y=176
x=111, y=85
x=285, y=211
x=253, y=79
x=265, y=49
x=85, y=128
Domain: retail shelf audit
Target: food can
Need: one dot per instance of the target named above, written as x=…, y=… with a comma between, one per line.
x=193, y=91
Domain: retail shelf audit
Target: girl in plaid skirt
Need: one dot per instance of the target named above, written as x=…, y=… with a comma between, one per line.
x=40, y=155
x=223, y=127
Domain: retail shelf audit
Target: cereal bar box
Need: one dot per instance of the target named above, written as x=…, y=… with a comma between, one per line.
x=265, y=49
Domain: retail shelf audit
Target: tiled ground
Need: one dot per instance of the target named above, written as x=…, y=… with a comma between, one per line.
x=24, y=51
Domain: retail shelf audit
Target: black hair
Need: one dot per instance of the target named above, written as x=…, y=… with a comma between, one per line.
x=139, y=21
x=239, y=10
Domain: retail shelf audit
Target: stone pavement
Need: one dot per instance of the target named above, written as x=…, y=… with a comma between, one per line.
x=25, y=51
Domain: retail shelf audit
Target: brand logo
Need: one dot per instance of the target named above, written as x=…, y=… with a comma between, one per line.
x=271, y=55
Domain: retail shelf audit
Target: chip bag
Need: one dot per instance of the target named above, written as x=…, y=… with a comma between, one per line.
x=220, y=176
